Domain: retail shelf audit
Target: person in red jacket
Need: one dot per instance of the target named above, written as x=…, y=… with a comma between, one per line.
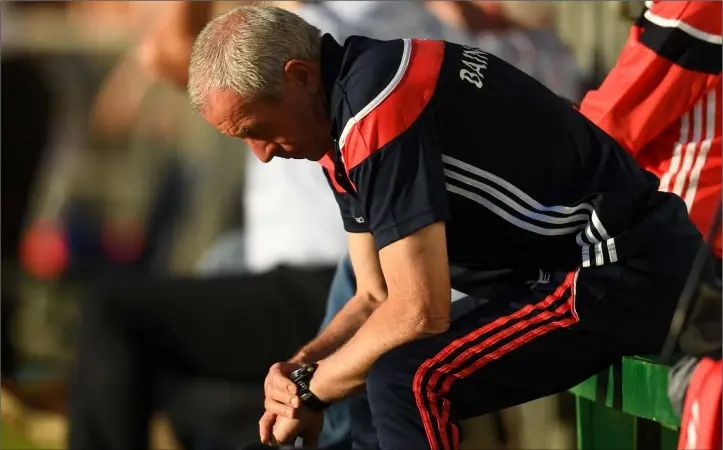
x=662, y=102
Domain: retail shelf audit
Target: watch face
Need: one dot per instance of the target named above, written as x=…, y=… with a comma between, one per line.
x=297, y=374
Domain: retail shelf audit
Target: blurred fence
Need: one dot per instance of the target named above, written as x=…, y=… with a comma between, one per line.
x=121, y=171
x=117, y=176
x=596, y=31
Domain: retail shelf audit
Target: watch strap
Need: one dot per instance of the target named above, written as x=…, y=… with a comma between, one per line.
x=313, y=402
x=302, y=379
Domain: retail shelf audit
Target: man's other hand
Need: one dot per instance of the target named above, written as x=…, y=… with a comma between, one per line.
x=307, y=426
x=266, y=426
x=280, y=391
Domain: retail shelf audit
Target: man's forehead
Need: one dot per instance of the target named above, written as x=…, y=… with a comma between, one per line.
x=226, y=100
x=224, y=106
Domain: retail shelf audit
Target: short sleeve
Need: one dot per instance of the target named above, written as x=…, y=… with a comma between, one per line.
x=401, y=187
x=349, y=207
x=389, y=144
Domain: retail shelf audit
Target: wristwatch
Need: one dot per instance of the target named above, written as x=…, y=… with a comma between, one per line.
x=302, y=379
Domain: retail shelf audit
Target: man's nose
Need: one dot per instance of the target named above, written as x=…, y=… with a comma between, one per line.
x=263, y=151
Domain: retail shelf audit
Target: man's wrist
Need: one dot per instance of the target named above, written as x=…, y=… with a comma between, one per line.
x=302, y=378
x=302, y=358
x=316, y=388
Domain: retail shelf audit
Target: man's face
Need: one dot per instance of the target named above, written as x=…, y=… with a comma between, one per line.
x=293, y=127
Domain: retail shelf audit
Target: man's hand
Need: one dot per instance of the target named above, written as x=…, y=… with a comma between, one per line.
x=280, y=391
x=281, y=401
x=285, y=417
x=307, y=426
x=266, y=427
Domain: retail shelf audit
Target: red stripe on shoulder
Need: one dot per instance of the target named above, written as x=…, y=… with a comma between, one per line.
x=328, y=164
x=398, y=111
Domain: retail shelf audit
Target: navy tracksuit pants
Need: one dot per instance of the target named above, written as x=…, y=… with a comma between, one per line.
x=519, y=343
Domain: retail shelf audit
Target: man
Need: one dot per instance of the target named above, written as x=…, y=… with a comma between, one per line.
x=662, y=102
x=263, y=224
x=381, y=20
x=565, y=247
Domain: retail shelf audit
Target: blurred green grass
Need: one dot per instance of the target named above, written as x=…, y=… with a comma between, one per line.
x=10, y=439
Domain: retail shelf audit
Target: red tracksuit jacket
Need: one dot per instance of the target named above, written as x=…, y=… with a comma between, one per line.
x=662, y=102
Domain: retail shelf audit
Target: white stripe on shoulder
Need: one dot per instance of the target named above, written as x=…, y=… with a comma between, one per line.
x=406, y=55
x=682, y=26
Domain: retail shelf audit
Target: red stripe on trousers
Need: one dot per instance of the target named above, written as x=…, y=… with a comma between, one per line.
x=467, y=354
x=424, y=368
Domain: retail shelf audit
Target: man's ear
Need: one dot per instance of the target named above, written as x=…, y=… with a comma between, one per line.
x=303, y=74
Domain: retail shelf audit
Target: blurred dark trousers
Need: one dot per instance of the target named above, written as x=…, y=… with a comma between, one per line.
x=196, y=348
x=337, y=419
x=25, y=127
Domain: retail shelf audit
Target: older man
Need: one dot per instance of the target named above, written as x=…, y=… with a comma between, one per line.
x=450, y=167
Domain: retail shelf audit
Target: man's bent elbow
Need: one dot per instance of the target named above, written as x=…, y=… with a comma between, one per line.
x=431, y=322
x=425, y=318
x=433, y=326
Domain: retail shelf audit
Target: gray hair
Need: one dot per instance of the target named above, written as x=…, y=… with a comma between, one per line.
x=245, y=50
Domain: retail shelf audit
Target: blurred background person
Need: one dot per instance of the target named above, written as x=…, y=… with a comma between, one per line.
x=262, y=296
x=43, y=131
x=520, y=32
x=662, y=102
x=26, y=133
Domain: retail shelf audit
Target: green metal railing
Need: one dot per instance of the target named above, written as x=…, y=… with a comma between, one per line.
x=626, y=408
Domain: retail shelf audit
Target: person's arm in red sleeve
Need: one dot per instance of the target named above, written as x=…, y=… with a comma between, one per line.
x=672, y=58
